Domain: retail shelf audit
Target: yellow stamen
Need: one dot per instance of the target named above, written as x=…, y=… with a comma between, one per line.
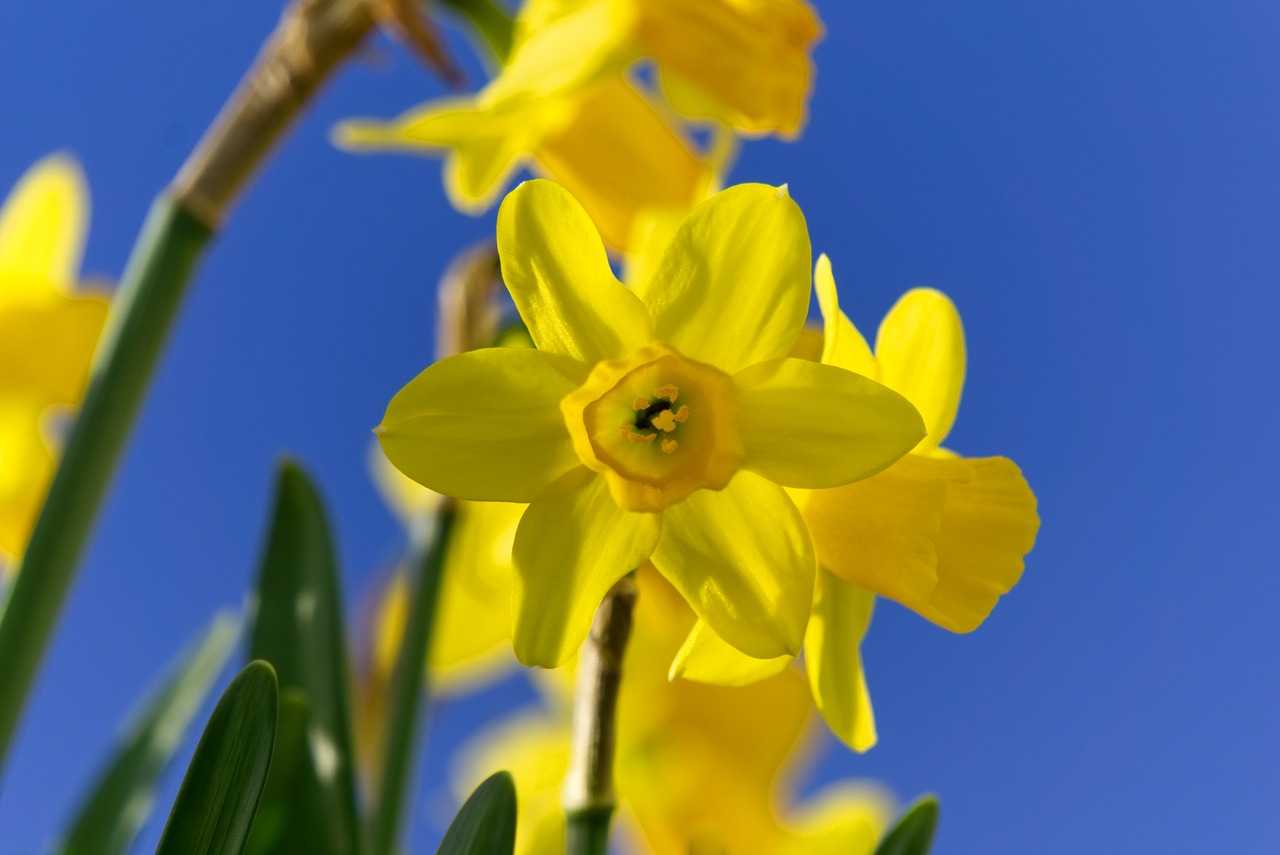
x=630, y=435
x=664, y=421
x=639, y=404
x=669, y=446
x=681, y=414
x=669, y=392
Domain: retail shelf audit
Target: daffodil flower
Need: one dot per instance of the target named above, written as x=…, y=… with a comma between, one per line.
x=47, y=334
x=941, y=534
x=698, y=768
x=564, y=107
x=658, y=423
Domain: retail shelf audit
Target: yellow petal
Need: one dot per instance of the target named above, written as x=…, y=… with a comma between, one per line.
x=746, y=64
x=472, y=640
x=618, y=157
x=732, y=288
x=483, y=425
x=556, y=269
x=42, y=227
x=944, y=536
x=46, y=347
x=483, y=147
x=651, y=231
x=707, y=658
x=743, y=560
x=988, y=524
x=842, y=346
x=26, y=466
x=846, y=818
x=841, y=614
x=920, y=351
x=881, y=533
x=560, y=48
x=805, y=424
x=572, y=545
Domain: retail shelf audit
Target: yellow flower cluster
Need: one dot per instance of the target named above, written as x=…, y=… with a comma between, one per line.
x=569, y=104
x=764, y=481
x=47, y=335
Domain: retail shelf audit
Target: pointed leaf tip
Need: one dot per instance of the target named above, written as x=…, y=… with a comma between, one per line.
x=913, y=832
x=486, y=824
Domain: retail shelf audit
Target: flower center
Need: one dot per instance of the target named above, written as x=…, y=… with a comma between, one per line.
x=656, y=416
x=658, y=426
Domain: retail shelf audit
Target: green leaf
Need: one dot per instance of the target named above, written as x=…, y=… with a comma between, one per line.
x=913, y=833
x=291, y=815
x=219, y=795
x=117, y=805
x=298, y=628
x=408, y=693
x=486, y=825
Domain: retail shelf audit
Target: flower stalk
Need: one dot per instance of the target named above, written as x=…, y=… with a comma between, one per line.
x=588, y=788
x=310, y=42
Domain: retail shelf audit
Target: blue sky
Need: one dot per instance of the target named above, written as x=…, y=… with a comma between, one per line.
x=1094, y=183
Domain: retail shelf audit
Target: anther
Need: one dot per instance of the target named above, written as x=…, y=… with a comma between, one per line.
x=664, y=421
x=669, y=446
x=669, y=392
x=631, y=436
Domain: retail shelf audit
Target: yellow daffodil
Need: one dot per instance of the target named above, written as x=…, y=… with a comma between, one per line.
x=941, y=534
x=698, y=768
x=47, y=334
x=658, y=423
x=741, y=62
x=564, y=107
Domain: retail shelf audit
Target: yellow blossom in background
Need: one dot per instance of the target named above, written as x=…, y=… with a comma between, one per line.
x=472, y=639
x=47, y=334
x=698, y=768
x=658, y=423
x=565, y=107
x=941, y=534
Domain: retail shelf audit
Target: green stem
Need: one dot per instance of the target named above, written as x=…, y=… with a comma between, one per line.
x=588, y=786
x=491, y=21
x=409, y=689
x=150, y=292
x=313, y=37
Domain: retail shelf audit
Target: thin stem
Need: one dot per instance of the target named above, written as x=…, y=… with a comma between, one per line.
x=311, y=40
x=588, y=787
x=409, y=688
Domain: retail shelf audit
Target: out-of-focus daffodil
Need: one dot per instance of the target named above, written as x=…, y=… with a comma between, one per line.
x=47, y=334
x=662, y=422
x=941, y=534
x=472, y=636
x=698, y=768
x=564, y=106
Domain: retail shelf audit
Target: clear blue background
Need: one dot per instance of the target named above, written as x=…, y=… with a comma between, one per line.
x=1095, y=183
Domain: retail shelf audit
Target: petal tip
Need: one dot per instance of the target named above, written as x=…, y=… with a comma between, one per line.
x=784, y=191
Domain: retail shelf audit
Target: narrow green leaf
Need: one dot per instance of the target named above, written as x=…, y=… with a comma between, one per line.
x=408, y=692
x=298, y=628
x=291, y=815
x=486, y=825
x=913, y=832
x=117, y=805
x=220, y=793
